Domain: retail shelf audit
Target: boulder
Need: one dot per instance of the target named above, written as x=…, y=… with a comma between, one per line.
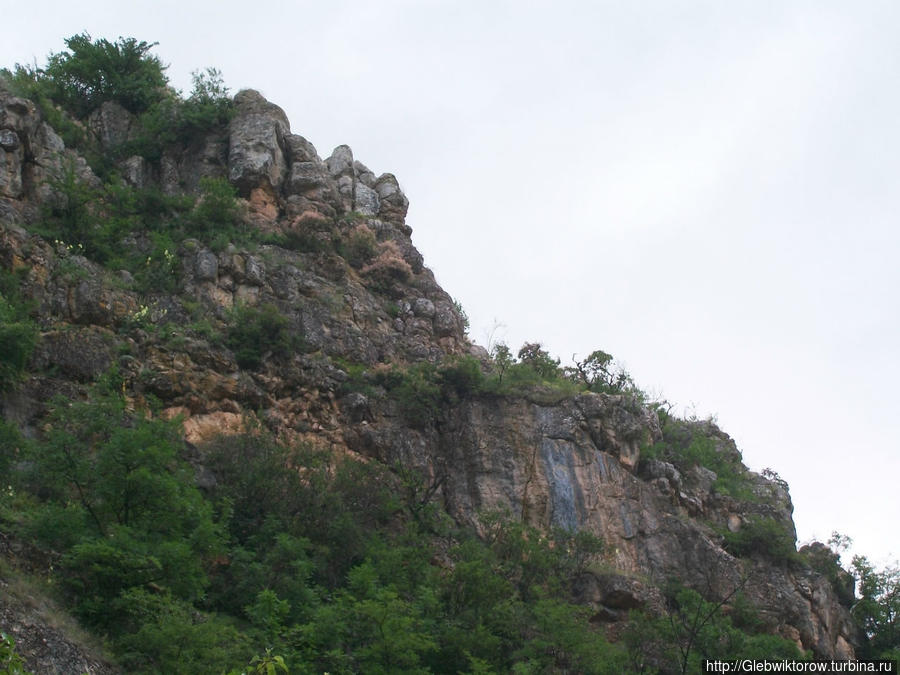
x=394, y=203
x=365, y=200
x=340, y=163
x=256, y=157
x=300, y=150
x=305, y=175
x=206, y=266
x=112, y=125
x=79, y=353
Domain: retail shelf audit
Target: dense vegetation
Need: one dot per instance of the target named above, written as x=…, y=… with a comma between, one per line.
x=334, y=565
x=322, y=560
x=288, y=558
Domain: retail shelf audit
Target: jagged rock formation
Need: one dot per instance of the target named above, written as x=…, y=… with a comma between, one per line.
x=551, y=460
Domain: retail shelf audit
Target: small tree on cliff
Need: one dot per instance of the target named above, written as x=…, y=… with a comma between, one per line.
x=597, y=373
x=92, y=72
x=533, y=355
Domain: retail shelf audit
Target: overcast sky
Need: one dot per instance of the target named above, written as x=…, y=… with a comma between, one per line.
x=706, y=190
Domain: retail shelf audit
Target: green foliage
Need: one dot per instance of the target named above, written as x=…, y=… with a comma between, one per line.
x=11, y=444
x=333, y=581
x=216, y=213
x=32, y=83
x=540, y=376
x=95, y=221
x=71, y=216
x=10, y=661
x=596, y=372
x=316, y=235
x=160, y=270
x=255, y=332
x=694, y=629
x=18, y=338
x=417, y=392
x=461, y=377
x=877, y=612
x=503, y=360
x=360, y=246
x=423, y=389
x=464, y=317
x=208, y=105
x=760, y=536
x=538, y=360
x=161, y=634
x=686, y=444
x=121, y=508
x=269, y=664
x=92, y=72
x=826, y=560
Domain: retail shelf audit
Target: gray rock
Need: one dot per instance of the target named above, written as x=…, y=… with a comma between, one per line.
x=652, y=469
x=135, y=171
x=206, y=266
x=8, y=213
x=387, y=187
x=423, y=307
x=208, y=158
x=257, y=130
x=82, y=353
x=446, y=321
x=366, y=200
x=10, y=173
x=341, y=161
x=8, y=139
x=112, y=125
x=300, y=150
x=345, y=185
x=479, y=353
x=363, y=174
x=254, y=271
x=394, y=203
x=303, y=176
x=356, y=406
x=699, y=480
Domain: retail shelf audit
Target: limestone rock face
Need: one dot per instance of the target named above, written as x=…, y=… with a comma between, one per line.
x=32, y=156
x=112, y=125
x=256, y=156
x=571, y=464
x=551, y=459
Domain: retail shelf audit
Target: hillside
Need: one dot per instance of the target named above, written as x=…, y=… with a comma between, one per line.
x=239, y=414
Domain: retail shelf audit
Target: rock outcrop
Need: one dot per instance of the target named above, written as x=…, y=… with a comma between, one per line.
x=549, y=459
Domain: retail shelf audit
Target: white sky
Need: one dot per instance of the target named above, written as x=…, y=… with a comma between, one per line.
x=707, y=190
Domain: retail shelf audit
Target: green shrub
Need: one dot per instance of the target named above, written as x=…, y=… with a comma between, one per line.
x=207, y=107
x=216, y=210
x=763, y=537
x=687, y=444
x=18, y=333
x=159, y=271
x=878, y=609
x=417, y=391
x=360, y=246
x=463, y=315
x=10, y=661
x=161, y=634
x=255, y=332
x=597, y=373
x=462, y=377
x=421, y=390
x=92, y=72
x=533, y=356
x=31, y=83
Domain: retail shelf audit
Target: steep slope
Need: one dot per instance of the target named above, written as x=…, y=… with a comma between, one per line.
x=357, y=351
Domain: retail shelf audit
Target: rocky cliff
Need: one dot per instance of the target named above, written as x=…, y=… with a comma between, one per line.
x=340, y=270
